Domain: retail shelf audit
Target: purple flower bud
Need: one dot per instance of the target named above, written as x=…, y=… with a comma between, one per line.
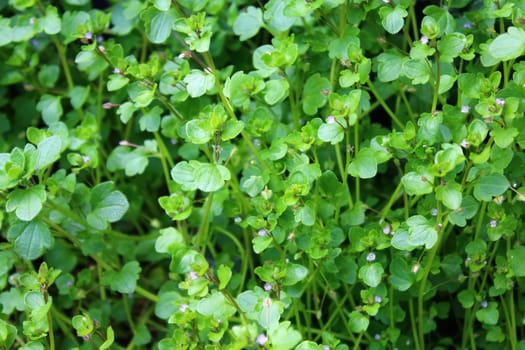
x=268, y=287
x=464, y=144
x=326, y=347
x=484, y=304
x=434, y=212
x=467, y=25
x=378, y=299
x=69, y=284
x=88, y=35
x=493, y=223
x=117, y=71
x=193, y=275
x=261, y=339
x=183, y=307
x=124, y=143
x=86, y=159
x=262, y=232
x=465, y=109
x=267, y=302
x=500, y=102
x=423, y=40
x=237, y=219
x=370, y=257
x=331, y=119
x=377, y=336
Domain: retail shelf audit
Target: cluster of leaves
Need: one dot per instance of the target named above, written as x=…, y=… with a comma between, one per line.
x=211, y=174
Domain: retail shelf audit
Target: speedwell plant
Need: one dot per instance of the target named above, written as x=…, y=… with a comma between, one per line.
x=299, y=174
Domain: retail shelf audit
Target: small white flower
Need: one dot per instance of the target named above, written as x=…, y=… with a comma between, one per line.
x=268, y=287
x=423, y=39
x=371, y=257
x=262, y=232
x=465, y=109
x=500, y=102
x=183, y=307
x=378, y=299
x=493, y=223
x=193, y=275
x=331, y=119
x=434, y=212
x=484, y=304
x=464, y=143
x=237, y=219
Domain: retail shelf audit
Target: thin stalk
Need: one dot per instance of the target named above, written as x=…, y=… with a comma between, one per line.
x=387, y=109
x=202, y=235
x=356, y=150
x=413, y=324
x=437, y=81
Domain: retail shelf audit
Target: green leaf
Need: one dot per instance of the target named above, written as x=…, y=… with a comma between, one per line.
x=294, y=274
x=140, y=94
x=417, y=183
x=106, y=205
x=503, y=137
x=150, y=121
x=125, y=280
x=30, y=239
x=169, y=241
x=421, y=231
x=392, y=19
x=26, y=203
x=450, y=195
x=490, y=186
x=401, y=276
x=371, y=274
x=231, y=129
x=505, y=47
x=276, y=91
x=364, y=165
x=50, y=108
x=198, y=131
x=516, y=257
x=315, y=93
x=283, y=336
x=162, y=5
x=358, y=322
x=110, y=338
x=199, y=82
x=215, y=305
x=488, y=315
x=331, y=132
x=248, y=23
x=117, y=82
x=211, y=177
x=224, y=274
x=159, y=28
x=48, y=151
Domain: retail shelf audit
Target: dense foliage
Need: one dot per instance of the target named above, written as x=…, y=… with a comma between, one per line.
x=299, y=174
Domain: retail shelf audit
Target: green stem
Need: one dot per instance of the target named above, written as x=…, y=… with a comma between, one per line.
x=146, y=294
x=202, y=235
x=413, y=324
x=356, y=151
x=437, y=81
x=393, y=198
x=387, y=109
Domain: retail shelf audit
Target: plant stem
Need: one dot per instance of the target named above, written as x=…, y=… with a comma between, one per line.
x=387, y=109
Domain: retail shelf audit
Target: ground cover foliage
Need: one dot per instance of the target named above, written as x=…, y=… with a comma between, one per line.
x=211, y=174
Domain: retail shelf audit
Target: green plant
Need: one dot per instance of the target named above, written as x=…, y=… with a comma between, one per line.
x=210, y=174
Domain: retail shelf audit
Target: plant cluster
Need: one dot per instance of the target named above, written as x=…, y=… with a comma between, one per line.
x=299, y=174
